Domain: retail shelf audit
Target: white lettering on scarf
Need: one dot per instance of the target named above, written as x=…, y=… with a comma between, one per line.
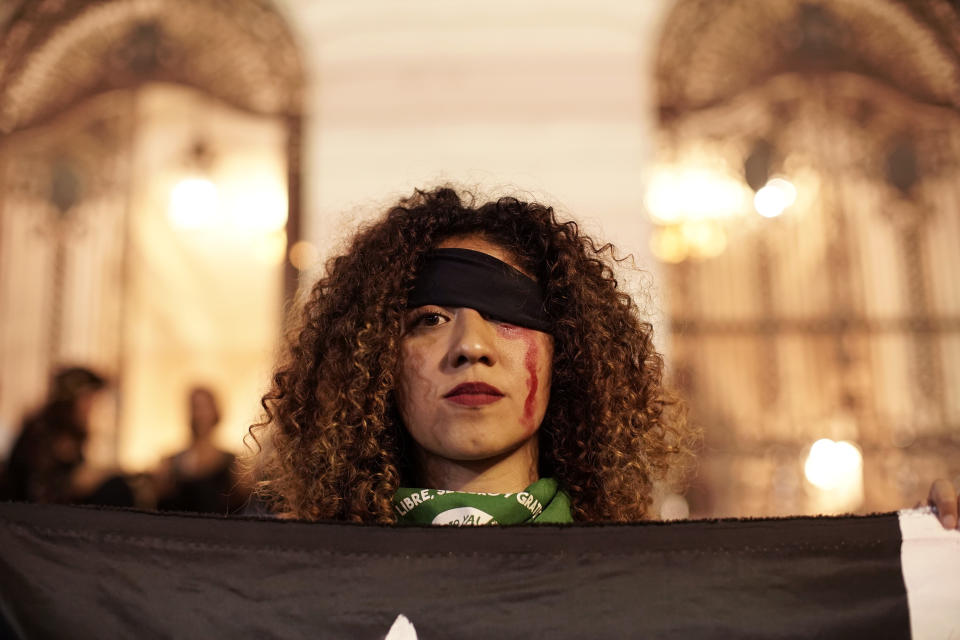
x=530, y=503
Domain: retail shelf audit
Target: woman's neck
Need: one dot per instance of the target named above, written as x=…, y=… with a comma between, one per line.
x=511, y=472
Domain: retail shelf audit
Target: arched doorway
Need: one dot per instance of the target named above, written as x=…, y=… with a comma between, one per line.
x=149, y=186
x=814, y=151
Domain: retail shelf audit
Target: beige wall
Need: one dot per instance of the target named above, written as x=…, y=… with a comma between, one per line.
x=549, y=98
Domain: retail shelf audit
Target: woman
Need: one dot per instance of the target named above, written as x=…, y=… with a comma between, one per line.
x=48, y=462
x=455, y=351
x=201, y=477
x=473, y=350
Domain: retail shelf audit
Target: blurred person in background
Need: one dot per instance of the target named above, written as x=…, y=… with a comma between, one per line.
x=202, y=477
x=47, y=462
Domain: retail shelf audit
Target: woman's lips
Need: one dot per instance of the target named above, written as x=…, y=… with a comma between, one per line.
x=473, y=394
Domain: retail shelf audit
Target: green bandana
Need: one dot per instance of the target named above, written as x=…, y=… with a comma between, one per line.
x=541, y=502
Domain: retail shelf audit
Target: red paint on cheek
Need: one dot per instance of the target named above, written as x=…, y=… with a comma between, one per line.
x=530, y=361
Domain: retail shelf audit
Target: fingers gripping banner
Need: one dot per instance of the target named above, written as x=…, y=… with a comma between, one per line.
x=90, y=573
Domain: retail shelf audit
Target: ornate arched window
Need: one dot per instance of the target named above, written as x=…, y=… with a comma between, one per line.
x=806, y=201
x=149, y=187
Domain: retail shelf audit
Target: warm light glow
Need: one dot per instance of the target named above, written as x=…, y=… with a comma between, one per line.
x=668, y=244
x=698, y=239
x=833, y=465
x=705, y=238
x=270, y=247
x=194, y=204
x=774, y=197
x=689, y=193
x=674, y=507
x=303, y=255
x=259, y=205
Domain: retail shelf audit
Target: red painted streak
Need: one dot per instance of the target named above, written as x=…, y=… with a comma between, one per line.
x=532, y=382
x=530, y=361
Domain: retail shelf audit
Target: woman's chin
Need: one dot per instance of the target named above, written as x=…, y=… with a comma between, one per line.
x=479, y=451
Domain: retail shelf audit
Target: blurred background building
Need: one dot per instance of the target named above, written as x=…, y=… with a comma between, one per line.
x=785, y=173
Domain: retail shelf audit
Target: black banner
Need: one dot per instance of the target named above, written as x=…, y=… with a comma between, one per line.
x=91, y=573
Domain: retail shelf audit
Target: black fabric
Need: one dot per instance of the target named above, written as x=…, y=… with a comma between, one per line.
x=465, y=278
x=91, y=573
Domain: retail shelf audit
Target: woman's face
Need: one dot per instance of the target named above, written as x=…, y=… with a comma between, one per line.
x=471, y=388
x=203, y=413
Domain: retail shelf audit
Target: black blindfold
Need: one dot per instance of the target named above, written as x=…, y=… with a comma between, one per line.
x=465, y=278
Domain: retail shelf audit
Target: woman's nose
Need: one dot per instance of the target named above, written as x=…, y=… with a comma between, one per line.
x=472, y=340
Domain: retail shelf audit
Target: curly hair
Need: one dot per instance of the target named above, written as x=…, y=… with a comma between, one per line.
x=338, y=447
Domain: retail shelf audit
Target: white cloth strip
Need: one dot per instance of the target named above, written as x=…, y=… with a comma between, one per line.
x=930, y=561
